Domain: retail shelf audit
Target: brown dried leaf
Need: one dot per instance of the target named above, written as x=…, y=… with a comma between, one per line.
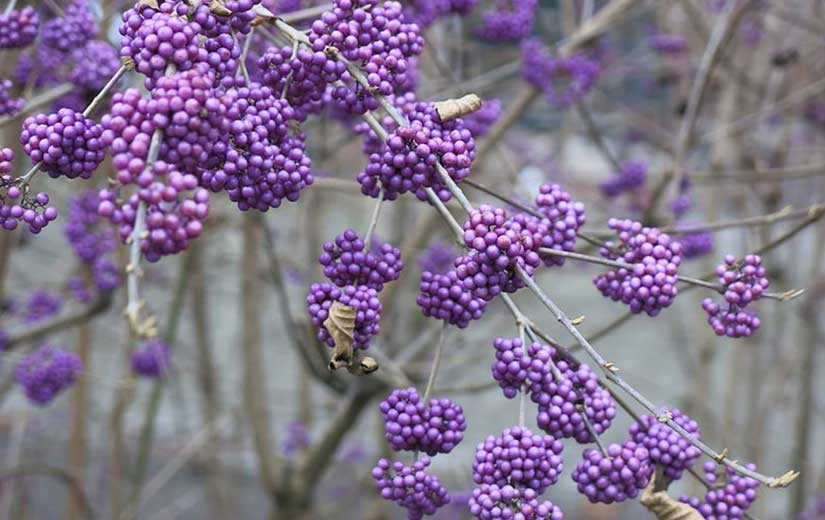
x=664, y=507
x=454, y=108
x=148, y=3
x=340, y=324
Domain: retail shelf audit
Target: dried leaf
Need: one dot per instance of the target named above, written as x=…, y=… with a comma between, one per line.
x=148, y=3
x=664, y=507
x=340, y=324
x=217, y=7
x=454, y=108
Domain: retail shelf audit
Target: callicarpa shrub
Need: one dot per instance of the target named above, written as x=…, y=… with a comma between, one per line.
x=430, y=178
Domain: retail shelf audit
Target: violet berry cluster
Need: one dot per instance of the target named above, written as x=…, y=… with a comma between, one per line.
x=94, y=65
x=730, y=494
x=566, y=405
x=744, y=282
x=631, y=176
x=16, y=204
x=490, y=501
x=509, y=20
x=406, y=161
x=665, y=446
x=519, y=458
x=648, y=283
x=151, y=359
x=563, y=80
x=562, y=217
x=696, y=244
x=616, y=476
x=46, y=372
x=347, y=261
x=72, y=30
x=18, y=28
x=66, y=143
x=91, y=242
x=411, y=487
x=358, y=275
x=411, y=424
x=9, y=105
x=41, y=304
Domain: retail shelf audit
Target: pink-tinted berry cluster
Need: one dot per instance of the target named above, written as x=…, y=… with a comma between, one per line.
x=562, y=219
x=410, y=487
x=364, y=299
x=71, y=31
x=631, y=176
x=564, y=81
x=66, y=143
x=508, y=21
x=443, y=297
x=616, y=477
x=151, y=359
x=667, y=448
x=46, y=372
x=9, y=105
x=650, y=284
x=744, y=283
x=491, y=502
x=172, y=218
x=412, y=425
x=18, y=28
x=564, y=405
x=730, y=495
x=161, y=41
x=346, y=262
x=519, y=458
x=480, y=121
x=406, y=162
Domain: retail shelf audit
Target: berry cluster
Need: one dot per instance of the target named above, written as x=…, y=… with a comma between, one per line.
x=650, y=284
x=564, y=81
x=667, y=43
x=15, y=203
x=151, y=359
x=90, y=242
x=71, y=31
x=18, y=28
x=410, y=487
x=564, y=405
x=412, y=425
x=631, y=175
x=443, y=297
x=42, y=304
x=667, y=448
x=490, y=501
x=510, y=20
x=376, y=36
x=518, y=458
x=729, y=496
x=365, y=301
x=66, y=143
x=94, y=65
x=480, y=121
x=303, y=75
x=263, y=163
x=361, y=275
x=615, y=477
x=562, y=219
x=438, y=258
x=696, y=243
x=406, y=162
x=345, y=262
x=427, y=12
x=9, y=105
x=512, y=365
x=46, y=372
x=744, y=282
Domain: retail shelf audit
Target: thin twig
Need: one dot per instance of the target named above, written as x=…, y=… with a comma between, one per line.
x=436, y=363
